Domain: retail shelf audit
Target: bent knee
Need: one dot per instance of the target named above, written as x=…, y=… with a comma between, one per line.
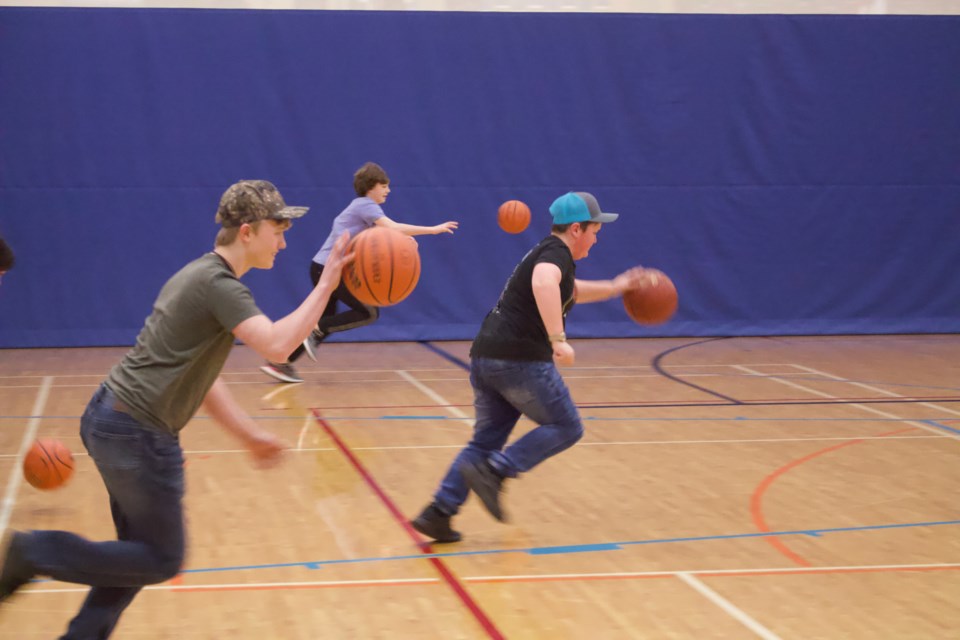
x=168, y=568
x=573, y=431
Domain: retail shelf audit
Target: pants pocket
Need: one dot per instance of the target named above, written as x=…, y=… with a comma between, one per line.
x=115, y=450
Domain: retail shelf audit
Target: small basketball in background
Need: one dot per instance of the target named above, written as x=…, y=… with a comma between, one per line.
x=385, y=267
x=48, y=465
x=654, y=303
x=513, y=216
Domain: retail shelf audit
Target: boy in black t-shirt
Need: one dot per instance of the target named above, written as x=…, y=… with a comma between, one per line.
x=513, y=365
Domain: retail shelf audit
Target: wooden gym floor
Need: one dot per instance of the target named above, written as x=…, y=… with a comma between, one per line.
x=787, y=488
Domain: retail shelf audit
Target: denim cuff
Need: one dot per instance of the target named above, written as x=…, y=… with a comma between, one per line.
x=501, y=464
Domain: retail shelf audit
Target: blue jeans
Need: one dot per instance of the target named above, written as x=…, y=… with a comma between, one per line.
x=503, y=390
x=142, y=468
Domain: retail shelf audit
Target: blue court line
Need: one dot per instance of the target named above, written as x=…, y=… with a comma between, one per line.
x=936, y=424
x=583, y=548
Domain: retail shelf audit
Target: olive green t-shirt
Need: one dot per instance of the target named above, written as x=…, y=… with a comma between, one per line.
x=184, y=343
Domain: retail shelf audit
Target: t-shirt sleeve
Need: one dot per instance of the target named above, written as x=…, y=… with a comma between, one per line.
x=231, y=301
x=369, y=212
x=555, y=254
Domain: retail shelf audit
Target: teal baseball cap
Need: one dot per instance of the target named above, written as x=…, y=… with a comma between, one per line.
x=578, y=206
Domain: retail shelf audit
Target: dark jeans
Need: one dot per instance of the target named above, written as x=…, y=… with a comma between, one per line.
x=142, y=468
x=504, y=390
x=359, y=315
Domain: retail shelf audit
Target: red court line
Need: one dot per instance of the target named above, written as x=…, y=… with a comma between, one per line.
x=756, y=500
x=438, y=564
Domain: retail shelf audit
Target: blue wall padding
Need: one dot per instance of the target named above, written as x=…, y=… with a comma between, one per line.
x=793, y=174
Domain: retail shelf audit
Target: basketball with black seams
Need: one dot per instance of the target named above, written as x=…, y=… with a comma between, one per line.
x=385, y=267
x=654, y=302
x=513, y=216
x=48, y=464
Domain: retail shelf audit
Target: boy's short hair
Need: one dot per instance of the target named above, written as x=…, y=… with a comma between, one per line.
x=367, y=177
x=227, y=235
x=562, y=228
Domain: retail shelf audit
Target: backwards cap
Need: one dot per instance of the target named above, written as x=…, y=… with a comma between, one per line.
x=579, y=206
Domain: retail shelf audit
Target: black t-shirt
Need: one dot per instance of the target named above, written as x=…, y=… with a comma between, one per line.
x=513, y=330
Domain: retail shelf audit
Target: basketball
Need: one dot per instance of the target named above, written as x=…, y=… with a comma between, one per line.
x=513, y=216
x=385, y=267
x=48, y=465
x=653, y=304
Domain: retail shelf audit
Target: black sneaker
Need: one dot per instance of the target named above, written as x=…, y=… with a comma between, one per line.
x=16, y=571
x=283, y=372
x=435, y=524
x=487, y=484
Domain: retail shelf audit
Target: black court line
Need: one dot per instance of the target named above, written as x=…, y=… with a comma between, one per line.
x=659, y=369
x=446, y=355
x=728, y=401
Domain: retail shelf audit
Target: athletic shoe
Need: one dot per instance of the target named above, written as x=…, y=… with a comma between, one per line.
x=311, y=343
x=435, y=524
x=282, y=372
x=487, y=484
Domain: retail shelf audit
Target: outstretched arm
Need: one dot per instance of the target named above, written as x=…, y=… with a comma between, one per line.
x=275, y=341
x=598, y=290
x=417, y=230
x=265, y=448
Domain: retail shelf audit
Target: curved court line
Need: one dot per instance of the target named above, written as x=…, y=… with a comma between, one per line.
x=438, y=564
x=657, y=359
x=756, y=500
x=756, y=507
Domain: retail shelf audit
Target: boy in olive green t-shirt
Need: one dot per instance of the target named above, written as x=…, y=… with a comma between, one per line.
x=131, y=425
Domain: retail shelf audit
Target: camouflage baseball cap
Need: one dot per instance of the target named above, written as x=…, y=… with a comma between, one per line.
x=249, y=201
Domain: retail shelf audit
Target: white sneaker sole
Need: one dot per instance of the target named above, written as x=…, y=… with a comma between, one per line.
x=273, y=373
x=308, y=348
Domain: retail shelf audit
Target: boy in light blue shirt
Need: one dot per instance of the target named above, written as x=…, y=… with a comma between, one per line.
x=372, y=187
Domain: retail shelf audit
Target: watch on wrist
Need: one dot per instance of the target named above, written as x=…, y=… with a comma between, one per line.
x=558, y=337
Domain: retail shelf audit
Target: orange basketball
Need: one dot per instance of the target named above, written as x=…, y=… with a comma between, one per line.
x=48, y=465
x=654, y=303
x=513, y=216
x=385, y=267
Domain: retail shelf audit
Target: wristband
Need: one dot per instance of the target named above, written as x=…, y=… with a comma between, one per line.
x=558, y=337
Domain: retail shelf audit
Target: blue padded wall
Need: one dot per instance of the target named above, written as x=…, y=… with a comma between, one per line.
x=793, y=174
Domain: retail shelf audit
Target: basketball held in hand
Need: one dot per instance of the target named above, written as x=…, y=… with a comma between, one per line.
x=513, y=216
x=385, y=267
x=48, y=464
x=654, y=303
